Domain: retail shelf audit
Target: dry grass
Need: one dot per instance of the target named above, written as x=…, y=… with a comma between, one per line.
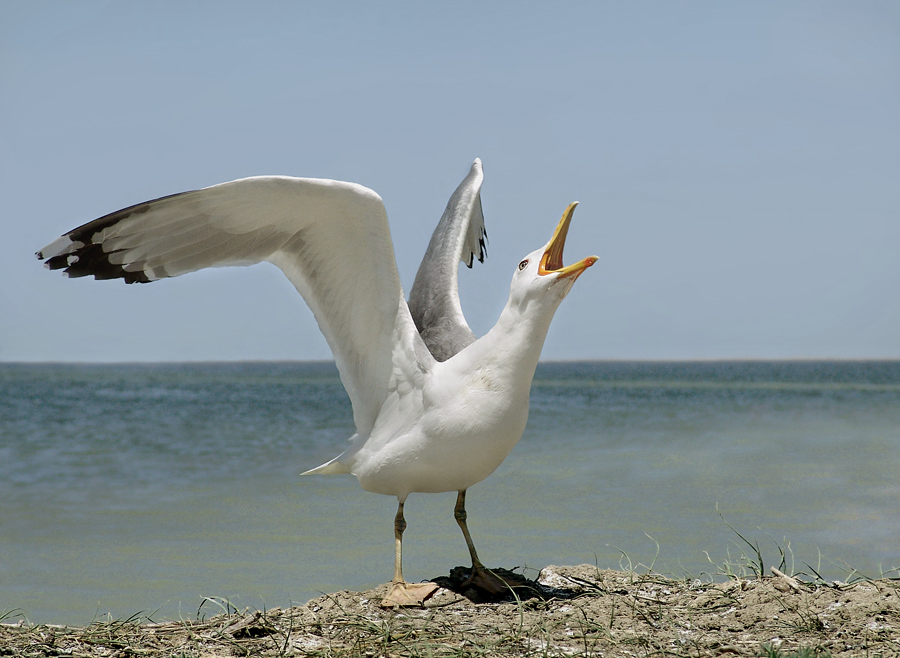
x=590, y=612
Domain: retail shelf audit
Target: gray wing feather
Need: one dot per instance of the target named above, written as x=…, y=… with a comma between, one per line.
x=331, y=239
x=434, y=299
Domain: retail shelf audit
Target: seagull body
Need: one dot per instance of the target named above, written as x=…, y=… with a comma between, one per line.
x=452, y=427
x=435, y=409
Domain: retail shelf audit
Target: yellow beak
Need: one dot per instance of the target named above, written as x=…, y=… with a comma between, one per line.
x=552, y=260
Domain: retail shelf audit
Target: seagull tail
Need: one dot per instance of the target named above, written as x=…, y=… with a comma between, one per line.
x=333, y=467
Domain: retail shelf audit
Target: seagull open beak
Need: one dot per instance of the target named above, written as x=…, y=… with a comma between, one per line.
x=552, y=260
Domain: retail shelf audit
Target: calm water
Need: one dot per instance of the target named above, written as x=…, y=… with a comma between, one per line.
x=129, y=488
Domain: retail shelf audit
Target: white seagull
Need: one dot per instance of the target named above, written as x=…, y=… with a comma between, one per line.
x=435, y=409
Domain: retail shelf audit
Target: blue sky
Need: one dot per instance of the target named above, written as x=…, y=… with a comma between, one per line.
x=737, y=164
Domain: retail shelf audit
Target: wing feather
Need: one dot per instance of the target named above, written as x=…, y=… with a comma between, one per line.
x=330, y=238
x=458, y=238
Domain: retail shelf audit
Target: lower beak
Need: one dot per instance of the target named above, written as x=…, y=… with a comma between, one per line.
x=552, y=260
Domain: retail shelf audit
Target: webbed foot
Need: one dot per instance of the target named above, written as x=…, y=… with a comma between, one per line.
x=483, y=578
x=406, y=595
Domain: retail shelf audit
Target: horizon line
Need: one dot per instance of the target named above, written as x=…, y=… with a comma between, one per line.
x=728, y=359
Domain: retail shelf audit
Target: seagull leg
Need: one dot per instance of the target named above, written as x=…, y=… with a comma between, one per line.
x=403, y=593
x=481, y=576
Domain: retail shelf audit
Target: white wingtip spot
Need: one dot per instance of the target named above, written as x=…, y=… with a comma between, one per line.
x=61, y=245
x=72, y=259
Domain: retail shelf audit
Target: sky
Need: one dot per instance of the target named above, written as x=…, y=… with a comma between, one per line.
x=737, y=164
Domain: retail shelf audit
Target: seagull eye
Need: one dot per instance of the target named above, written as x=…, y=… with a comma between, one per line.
x=523, y=264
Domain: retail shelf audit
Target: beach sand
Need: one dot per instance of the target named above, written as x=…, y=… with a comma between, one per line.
x=568, y=611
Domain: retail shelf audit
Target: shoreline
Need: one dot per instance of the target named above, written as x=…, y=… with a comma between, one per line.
x=583, y=611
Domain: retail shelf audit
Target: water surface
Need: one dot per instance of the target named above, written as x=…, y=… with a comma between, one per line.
x=143, y=488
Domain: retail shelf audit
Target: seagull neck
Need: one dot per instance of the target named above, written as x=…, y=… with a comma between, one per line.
x=518, y=337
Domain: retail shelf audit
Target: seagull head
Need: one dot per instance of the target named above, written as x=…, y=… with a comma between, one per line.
x=541, y=275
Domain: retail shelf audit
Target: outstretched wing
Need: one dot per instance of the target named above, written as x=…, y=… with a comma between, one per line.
x=330, y=238
x=434, y=299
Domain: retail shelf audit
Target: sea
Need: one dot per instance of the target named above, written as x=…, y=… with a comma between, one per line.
x=168, y=491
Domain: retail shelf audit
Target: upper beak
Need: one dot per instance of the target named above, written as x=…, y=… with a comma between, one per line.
x=552, y=260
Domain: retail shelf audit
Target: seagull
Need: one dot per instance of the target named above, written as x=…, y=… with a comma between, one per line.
x=435, y=409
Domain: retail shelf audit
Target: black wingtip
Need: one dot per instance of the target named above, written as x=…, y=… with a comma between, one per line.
x=57, y=262
x=82, y=257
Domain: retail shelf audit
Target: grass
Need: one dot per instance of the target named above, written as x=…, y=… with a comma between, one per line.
x=768, y=651
x=632, y=611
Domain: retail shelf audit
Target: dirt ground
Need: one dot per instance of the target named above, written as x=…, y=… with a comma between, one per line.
x=567, y=611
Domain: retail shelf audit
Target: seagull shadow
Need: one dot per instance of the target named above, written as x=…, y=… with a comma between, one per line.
x=520, y=587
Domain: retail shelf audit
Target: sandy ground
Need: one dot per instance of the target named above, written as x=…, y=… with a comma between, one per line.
x=568, y=611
